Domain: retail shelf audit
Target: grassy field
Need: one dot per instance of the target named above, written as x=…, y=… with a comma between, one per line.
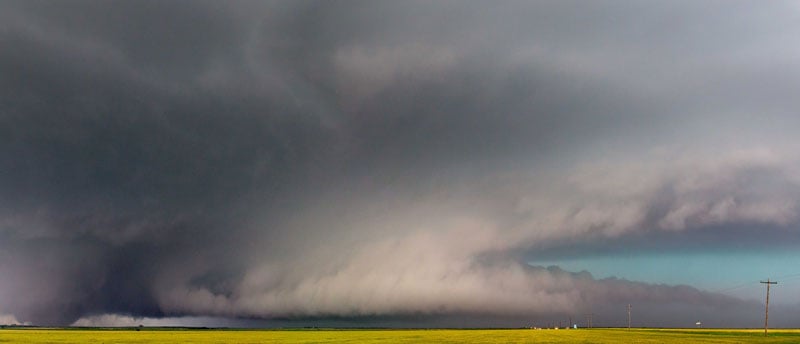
x=396, y=336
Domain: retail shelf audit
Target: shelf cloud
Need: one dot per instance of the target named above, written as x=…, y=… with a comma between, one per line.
x=296, y=162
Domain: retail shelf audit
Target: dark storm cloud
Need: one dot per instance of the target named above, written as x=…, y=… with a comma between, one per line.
x=360, y=159
x=104, y=162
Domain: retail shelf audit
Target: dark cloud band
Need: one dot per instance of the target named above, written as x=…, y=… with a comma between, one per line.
x=353, y=160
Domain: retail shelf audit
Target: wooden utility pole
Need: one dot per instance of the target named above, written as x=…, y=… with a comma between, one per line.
x=766, y=311
x=589, y=320
x=629, y=316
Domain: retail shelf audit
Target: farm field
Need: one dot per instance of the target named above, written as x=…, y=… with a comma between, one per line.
x=396, y=336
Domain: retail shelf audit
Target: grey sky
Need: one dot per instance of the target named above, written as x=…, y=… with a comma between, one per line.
x=384, y=160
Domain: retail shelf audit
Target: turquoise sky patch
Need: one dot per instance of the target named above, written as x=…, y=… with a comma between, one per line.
x=732, y=273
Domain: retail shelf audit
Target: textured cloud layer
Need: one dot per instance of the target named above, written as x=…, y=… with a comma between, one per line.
x=382, y=160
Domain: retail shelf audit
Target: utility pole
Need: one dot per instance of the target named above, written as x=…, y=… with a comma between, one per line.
x=589, y=320
x=629, y=316
x=570, y=322
x=766, y=311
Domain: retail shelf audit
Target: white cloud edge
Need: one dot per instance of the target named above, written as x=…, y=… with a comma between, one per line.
x=120, y=320
x=10, y=319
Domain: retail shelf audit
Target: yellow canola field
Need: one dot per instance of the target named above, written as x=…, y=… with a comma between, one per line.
x=396, y=336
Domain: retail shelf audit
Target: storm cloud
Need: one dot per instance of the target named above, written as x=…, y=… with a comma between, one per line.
x=297, y=161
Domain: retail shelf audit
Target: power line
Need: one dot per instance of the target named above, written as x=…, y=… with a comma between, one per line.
x=766, y=311
x=783, y=279
x=629, y=317
x=791, y=276
x=750, y=283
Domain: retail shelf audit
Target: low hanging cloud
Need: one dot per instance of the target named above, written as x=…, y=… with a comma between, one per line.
x=299, y=162
x=116, y=320
x=8, y=319
x=466, y=266
x=413, y=281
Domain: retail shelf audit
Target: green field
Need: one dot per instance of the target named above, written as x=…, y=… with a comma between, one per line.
x=396, y=336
